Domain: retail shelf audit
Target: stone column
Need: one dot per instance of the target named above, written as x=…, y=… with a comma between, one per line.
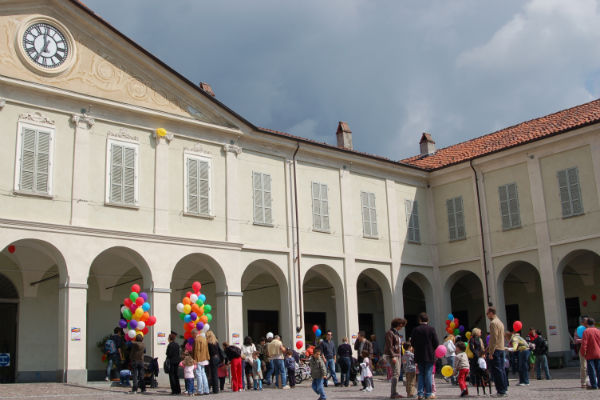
x=441, y=304
x=161, y=309
x=80, y=191
x=396, y=245
x=231, y=192
x=161, y=182
x=230, y=325
x=72, y=335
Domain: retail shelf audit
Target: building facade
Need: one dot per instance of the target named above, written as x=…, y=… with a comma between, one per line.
x=117, y=170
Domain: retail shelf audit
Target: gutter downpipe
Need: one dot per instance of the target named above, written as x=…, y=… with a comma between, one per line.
x=485, y=266
x=299, y=284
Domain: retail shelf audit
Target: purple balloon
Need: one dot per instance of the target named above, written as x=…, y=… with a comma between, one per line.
x=487, y=340
x=200, y=325
x=461, y=328
x=190, y=341
x=133, y=324
x=144, y=295
x=123, y=324
x=194, y=316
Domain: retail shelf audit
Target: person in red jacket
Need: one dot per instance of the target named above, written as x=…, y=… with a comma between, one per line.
x=590, y=349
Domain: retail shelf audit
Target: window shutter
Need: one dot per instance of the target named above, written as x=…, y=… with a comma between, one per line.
x=565, y=200
x=324, y=208
x=42, y=162
x=203, y=187
x=116, y=173
x=504, y=211
x=129, y=175
x=267, y=199
x=460, y=218
x=408, y=210
x=364, y=200
x=373, y=212
x=513, y=206
x=575, y=191
x=192, y=185
x=316, y=204
x=415, y=222
x=451, y=219
x=27, y=159
x=258, y=198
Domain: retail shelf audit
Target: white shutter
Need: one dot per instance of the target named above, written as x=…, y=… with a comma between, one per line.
x=513, y=206
x=42, y=164
x=26, y=181
x=565, y=199
x=122, y=174
x=192, y=185
x=204, y=187
x=128, y=175
x=266, y=180
x=451, y=219
x=324, y=208
x=504, y=209
x=460, y=218
x=575, y=191
x=415, y=224
x=116, y=173
x=366, y=215
x=316, y=205
x=258, y=198
x=373, y=211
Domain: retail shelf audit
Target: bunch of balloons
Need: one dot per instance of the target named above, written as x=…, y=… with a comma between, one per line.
x=317, y=331
x=194, y=311
x=135, y=313
x=453, y=327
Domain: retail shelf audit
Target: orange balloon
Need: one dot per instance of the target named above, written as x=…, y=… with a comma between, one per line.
x=204, y=319
x=186, y=300
x=145, y=316
x=200, y=310
x=196, y=308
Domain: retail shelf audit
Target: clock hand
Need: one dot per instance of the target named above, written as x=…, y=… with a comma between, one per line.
x=46, y=43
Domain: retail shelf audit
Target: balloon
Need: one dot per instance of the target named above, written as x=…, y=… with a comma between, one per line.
x=203, y=298
x=196, y=308
x=133, y=296
x=140, y=301
x=469, y=352
x=127, y=301
x=580, y=331
x=188, y=294
x=318, y=333
x=196, y=286
x=206, y=328
x=456, y=323
x=204, y=319
x=449, y=330
x=193, y=316
x=517, y=326
x=186, y=327
x=441, y=351
x=207, y=308
x=151, y=320
x=131, y=333
x=187, y=309
x=487, y=340
x=209, y=317
x=191, y=324
x=447, y=322
x=456, y=332
x=299, y=344
x=179, y=307
x=123, y=324
x=191, y=341
x=193, y=298
x=139, y=312
x=450, y=317
x=468, y=335
x=200, y=325
x=182, y=316
x=270, y=335
x=141, y=325
x=186, y=300
x=135, y=288
x=452, y=325
x=187, y=318
x=133, y=307
x=447, y=371
x=145, y=331
x=200, y=302
x=144, y=296
x=315, y=327
x=133, y=324
x=594, y=297
x=584, y=303
x=461, y=329
x=146, y=306
x=188, y=347
x=139, y=333
x=123, y=309
x=200, y=310
x=127, y=314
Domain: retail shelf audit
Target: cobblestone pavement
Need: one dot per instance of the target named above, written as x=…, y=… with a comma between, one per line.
x=565, y=385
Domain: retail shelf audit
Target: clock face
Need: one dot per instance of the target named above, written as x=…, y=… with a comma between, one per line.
x=45, y=45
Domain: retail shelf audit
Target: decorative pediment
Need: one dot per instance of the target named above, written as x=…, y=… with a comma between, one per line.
x=122, y=134
x=36, y=118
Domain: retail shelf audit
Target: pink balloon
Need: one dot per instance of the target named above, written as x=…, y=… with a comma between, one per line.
x=440, y=352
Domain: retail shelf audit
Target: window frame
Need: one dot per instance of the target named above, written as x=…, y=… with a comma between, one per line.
x=200, y=158
x=264, y=221
x=456, y=225
x=320, y=215
x=569, y=192
x=411, y=216
x=129, y=144
x=371, y=208
x=21, y=125
x=511, y=224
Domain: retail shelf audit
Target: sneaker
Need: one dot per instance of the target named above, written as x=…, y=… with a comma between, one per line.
x=498, y=395
x=432, y=397
x=369, y=389
x=286, y=387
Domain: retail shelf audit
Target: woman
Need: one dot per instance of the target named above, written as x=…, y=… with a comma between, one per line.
x=477, y=348
x=248, y=350
x=173, y=358
x=344, y=353
x=215, y=353
x=234, y=355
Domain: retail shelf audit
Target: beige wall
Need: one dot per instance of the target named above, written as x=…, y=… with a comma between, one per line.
x=413, y=252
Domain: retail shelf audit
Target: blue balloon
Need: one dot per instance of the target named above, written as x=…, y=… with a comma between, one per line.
x=146, y=306
x=451, y=317
x=187, y=318
x=203, y=298
x=318, y=333
x=580, y=330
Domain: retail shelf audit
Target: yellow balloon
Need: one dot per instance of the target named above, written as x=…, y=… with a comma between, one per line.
x=447, y=371
x=452, y=326
x=468, y=335
x=161, y=132
x=469, y=352
x=139, y=312
x=139, y=333
x=186, y=309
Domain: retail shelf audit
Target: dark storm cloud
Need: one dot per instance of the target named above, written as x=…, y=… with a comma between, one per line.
x=392, y=69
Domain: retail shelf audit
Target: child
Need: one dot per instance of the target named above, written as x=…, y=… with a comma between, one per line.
x=290, y=366
x=410, y=370
x=125, y=375
x=461, y=368
x=257, y=375
x=318, y=372
x=223, y=373
x=365, y=372
x=189, y=366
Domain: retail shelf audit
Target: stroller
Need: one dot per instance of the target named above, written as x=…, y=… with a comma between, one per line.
x=354, y=371
x=302, y=371
x=150, y=371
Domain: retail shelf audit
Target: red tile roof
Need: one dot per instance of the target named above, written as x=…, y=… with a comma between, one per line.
x=525, y=132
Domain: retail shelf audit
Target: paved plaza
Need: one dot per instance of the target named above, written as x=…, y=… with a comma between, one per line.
x=565, y=384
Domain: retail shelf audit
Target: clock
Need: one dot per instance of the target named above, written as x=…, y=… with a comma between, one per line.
x=45, y=45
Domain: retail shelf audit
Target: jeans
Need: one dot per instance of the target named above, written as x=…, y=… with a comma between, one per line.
x=331, y=371
x=112, y=359
x=424, y=379
x=541, y=361
x=498, y=372
x=189, y=385
x=202, y=382
x=269, y=372
x=138, y=376
x=450, y=362
x=524, y=367
x=291, y=375
x=279, y=371
x=593, y=370
x=257, y=384
x=317, y=386
x=345, y=364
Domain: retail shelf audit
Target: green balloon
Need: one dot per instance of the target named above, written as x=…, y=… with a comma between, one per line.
x=207, y=308
x=133, y=296
x=200, y=302
x=182, y=316
x=127, y=314
x=209, y=316
x=456, y=332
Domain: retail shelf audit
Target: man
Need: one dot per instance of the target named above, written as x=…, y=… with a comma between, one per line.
x=424, y=340
x=137, y=364
x=392, y=352
x=541, y=356
x=201, y=357
x=362, y=344
x=328, y=350
x=590, y=348
x=583, y=375
x=112, y=348
x=496, y=352
x=276, y=352
x=267, y=361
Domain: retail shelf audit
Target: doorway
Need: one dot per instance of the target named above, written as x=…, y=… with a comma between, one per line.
x=9, y=299
x=262, y=321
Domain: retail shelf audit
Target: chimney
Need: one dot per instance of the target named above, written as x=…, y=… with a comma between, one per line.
x=206, y=88
x=427, y=145
x=344, y=136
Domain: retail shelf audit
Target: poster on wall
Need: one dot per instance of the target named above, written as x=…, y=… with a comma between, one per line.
x=235, y=338
x=353, y=339
x=75, y=334
x=552, y=330
x=161, y=338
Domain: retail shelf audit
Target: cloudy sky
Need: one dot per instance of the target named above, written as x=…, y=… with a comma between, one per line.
x=391, y=68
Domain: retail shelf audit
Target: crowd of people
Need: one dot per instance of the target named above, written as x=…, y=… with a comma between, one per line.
x=466, y=362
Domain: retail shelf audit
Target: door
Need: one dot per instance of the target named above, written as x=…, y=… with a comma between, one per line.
x=8, y=342
x=260, y=322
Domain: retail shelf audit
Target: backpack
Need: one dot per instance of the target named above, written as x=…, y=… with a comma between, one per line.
x=110, y=347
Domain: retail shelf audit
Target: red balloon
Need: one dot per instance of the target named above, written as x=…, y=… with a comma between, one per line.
x=11, y=248
x=151, y=320
x=145, y=330
x=447, y=322
x=456, y=323
x=594, y=297
x=192, y=325
x=585, y=303
x=127, y=302
x=140, y=301
x=449, y=330
x=315, y=327
x=196, y=286
x=133, y=307
x=299, y=344
x=135, y=288
x=187, y=335
x=186, y=327
x=188, y=294
x=517, y=326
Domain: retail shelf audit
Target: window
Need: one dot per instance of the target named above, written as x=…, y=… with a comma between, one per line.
x=412, y=221
x=570, y=193
x=320, y=207
x=509, y=206
x=197, y=185
x=34, y=162
x=456, y=218
x=122, y=177
x=369, y=214
x=262, y=198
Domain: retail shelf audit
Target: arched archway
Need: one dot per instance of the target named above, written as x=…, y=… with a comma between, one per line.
x=265, y=301
x=579, y=273
x=466, y=299
x=520, y=291
x=31, y=271
x=374, y=298
x=416, y=293
x=111, y=276
x=323, y=296
x=206, y=270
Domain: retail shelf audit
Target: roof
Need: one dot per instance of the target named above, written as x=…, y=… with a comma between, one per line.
x=525, y=132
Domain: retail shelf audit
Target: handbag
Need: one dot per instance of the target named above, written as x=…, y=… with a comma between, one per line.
x=167, y=366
